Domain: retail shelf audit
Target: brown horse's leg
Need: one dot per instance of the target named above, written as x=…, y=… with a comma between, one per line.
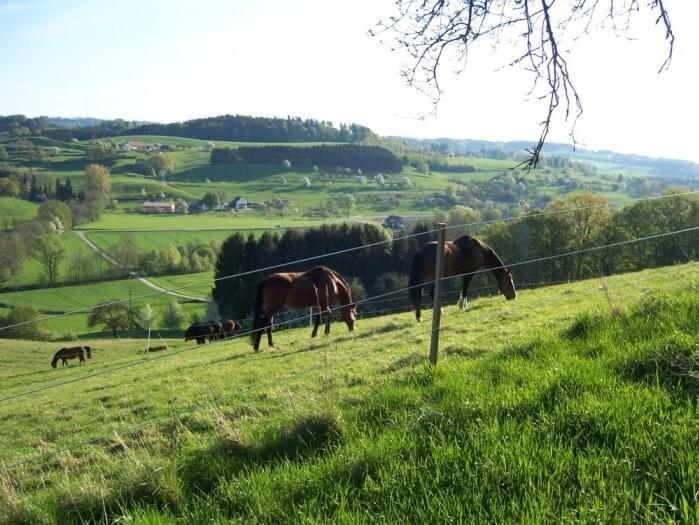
x=65, y=361
x=81, y=357
x=269, y=331
x=328, y=318
x=464, y=290
x=316, y=324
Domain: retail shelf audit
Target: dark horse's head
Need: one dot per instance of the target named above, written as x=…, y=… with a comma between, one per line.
x=507, y=285
x=349, y=315
x=88, y=351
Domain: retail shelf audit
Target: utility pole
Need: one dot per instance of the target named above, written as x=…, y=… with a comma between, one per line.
x=437, y=303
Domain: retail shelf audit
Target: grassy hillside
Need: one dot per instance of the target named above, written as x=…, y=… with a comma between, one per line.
x=12, y=209
x=573, y=403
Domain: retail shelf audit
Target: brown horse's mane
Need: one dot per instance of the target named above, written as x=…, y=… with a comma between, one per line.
x=342, y=280
x=492, y=260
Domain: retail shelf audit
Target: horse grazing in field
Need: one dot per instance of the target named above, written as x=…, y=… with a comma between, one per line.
x=213, y=330
x=229, y=327
x=461, y=256
x=74, y=352
x=200, y=330
x=317, y=288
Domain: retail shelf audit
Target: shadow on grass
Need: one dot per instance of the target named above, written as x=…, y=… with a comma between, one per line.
x=307, y=437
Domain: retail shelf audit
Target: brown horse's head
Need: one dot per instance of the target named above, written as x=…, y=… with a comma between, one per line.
x=349, y=315
x=507, y=285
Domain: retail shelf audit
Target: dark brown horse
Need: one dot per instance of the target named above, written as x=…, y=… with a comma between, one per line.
x=461, y=256
x=317, y=288
x=74, y=352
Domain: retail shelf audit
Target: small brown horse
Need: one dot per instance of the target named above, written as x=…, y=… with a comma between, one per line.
x=317, y=288
x=74, y=352
x=462, y=256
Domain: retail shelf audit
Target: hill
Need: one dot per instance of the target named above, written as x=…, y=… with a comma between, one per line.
x=577, y=402
x=605, y=160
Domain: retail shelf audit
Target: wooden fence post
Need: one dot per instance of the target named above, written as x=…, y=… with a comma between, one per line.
x=437, y=302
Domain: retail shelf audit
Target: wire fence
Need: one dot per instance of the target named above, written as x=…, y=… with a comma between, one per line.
x=302, y=318
x=334, y=253
x=335, y=365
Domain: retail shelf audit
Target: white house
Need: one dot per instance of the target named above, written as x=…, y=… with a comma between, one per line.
x=239, y=203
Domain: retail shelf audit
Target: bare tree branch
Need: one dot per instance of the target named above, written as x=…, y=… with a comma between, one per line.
x=430, y=30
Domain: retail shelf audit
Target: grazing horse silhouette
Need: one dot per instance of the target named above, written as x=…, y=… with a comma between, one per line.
x=200, y=330
x=74, y=352
x=319, y=287
x=461, y=256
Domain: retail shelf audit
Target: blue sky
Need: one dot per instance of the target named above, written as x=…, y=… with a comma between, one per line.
x=173, y=60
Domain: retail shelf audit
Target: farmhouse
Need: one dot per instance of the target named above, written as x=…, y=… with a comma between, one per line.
x=158, y=207
x=394, y=222
x=239, y=203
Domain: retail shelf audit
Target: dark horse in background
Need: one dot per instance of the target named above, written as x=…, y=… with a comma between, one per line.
x=214, y=330
x=317, y=288
x=461, y=256
x=74, y=352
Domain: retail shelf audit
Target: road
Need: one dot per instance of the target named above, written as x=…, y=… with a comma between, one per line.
x=144, y=280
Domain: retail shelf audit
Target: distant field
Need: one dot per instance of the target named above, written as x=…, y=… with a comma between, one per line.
x=33, y=271
x=205, y=221
x=160, y=240
x=68, y=298
x=198, y=284
x=196, y=143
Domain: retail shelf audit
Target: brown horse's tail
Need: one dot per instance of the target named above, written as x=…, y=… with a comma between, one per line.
x=415, y=290
x=259, y=313
x=55, y=360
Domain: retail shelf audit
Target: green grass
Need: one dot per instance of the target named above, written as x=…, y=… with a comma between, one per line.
x=146, y=240
x=12, y=209
x=205, y=221
x=197, y=284
x=548, y=409
x=32, y=272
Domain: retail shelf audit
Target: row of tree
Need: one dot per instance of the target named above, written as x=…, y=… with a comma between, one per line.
x=224, y=127
x=371, y=158
x=376, y=269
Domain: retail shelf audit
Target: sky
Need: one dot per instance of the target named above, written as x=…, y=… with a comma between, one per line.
x=172, y=60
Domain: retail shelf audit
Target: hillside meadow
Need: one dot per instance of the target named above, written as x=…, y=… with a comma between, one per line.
x=574, y=403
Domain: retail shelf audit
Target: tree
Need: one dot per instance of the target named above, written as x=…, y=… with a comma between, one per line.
x=98, y=178
x=125, y=253
x=173, y=316
x=50, y=251
x=101, y=151
x=145, y=317
x=11, y=256
x=287, y=164
x=9, y=188
x=210, y=200
x=348, y=203
x=98, y=186
x=23, y=323
x=541, y=32
x=113, y=314
x=50, y=210
x=160, y=163
x=3, y=153
x=306, y=182
x=424, y=168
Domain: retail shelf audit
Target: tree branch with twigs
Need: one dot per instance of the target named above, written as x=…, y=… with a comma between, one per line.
x=429, y=31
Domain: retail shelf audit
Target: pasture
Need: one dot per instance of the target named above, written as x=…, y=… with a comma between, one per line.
x=574, y=402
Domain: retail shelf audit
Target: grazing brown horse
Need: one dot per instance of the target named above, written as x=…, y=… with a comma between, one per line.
x=317, y=288
x=74, y=352
x=461, y=256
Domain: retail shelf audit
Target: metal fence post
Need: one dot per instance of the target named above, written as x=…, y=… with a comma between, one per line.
x=437, y=302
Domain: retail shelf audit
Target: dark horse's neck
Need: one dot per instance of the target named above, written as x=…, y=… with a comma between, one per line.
x=492, y=261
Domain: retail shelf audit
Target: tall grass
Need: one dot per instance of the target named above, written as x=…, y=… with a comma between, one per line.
x=591, y=420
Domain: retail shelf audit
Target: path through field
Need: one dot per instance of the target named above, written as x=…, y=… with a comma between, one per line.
x=144, y=280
